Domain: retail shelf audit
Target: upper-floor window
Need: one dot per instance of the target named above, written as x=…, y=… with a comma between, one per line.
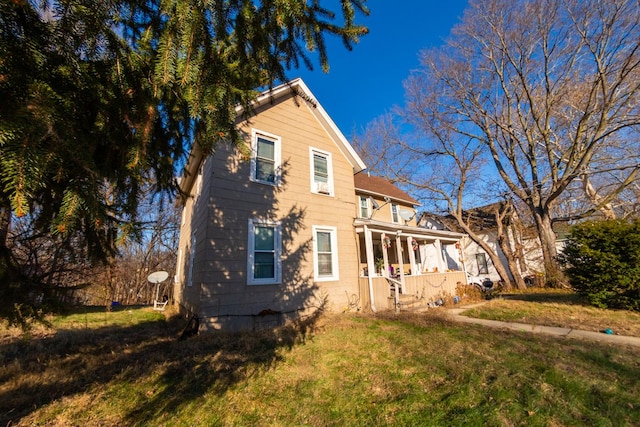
x=325, y=254
x=321, y=172
x=364, y=207
x=265, y=162
x=395, y=213
x=264, y=253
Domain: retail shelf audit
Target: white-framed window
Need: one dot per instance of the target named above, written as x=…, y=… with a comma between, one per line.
x=265, y=157
x=395, y=213
x=264, y=265
x=325, y=253
x=192, y=258
x=321, y=172
x=483, y=267
x=176, y=277
x=198, y=184
x=364, y=207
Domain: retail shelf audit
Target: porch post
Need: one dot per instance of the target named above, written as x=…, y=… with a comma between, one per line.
x=368, y=243
x=400, y=263
x=385, y=257
x=440, y=258
x=412, y=257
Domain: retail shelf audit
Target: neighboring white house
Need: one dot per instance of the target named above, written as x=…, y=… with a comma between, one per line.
x=476, y=262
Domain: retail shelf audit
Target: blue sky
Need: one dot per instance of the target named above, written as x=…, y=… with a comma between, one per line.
x=367, y=82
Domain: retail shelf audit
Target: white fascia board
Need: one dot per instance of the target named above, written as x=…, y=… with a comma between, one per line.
x=318, y=112
x=382, y=196
x=325, y=120
x=195, y=157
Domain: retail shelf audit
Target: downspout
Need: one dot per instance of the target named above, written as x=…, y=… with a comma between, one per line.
x=368, y=243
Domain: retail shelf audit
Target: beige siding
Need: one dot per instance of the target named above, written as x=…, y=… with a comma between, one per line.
x=384, y=213
x=229, y=199
x=419, y=290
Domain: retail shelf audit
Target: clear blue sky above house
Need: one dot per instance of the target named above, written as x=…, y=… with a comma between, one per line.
x=367, y=82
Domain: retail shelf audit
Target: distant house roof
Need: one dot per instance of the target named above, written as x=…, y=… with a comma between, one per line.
x=480, y=218
x=378, y=186
x=483, y=218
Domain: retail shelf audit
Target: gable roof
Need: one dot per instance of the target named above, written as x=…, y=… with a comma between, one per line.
x=480, y=218
x=297, y=88
x=378, y=186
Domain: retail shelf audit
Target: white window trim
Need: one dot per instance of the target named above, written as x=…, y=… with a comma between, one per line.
x=333, y=232
x=396, y=220
x=484, y=265
x=369, y=207
x=198, y=184
x=176, y=277
x=326, y=154
x=192, y=258
x=278, y=253
x=255, y=133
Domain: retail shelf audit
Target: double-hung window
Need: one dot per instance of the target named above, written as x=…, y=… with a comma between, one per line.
x=325, y=253
x=321, y=172
x=265, y=262
x=395, y=213
x=364, y=207
x=481, y=259
x=265, y=162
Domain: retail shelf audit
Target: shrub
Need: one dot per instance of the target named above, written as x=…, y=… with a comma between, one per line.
x=602, y=261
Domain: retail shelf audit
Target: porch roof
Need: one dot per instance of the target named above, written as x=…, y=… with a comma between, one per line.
x=406, y=230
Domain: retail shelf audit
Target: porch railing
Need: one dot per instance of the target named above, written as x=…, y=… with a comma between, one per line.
x=427, y=287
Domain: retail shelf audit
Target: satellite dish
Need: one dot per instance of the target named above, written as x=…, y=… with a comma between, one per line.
x=158, y=276
x=374, y=203
x=407, y=215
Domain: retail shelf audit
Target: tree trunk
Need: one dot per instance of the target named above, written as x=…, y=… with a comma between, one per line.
x=504, y=214
x=554, y=276
x=607, y=208
x=493, y=255
x=512, y=264
x=5, y=222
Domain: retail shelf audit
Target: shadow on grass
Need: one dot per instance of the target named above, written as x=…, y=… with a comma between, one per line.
x=147, y=360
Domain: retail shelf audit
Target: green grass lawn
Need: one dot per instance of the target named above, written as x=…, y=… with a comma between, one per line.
x=346, y=370
x=561, y=308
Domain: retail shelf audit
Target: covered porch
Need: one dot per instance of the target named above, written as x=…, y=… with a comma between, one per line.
x=401, y=265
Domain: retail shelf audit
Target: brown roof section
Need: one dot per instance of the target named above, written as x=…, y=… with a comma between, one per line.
x=380, y=186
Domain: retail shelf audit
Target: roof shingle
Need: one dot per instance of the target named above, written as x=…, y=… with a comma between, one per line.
x=380, y=186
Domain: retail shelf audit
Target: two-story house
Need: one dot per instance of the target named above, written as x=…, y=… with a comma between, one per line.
x=296, y=225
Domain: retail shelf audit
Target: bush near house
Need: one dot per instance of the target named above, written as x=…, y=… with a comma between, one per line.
x=602, y=261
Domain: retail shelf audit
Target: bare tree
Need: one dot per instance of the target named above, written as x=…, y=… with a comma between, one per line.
x=445, y=170
x=548, y=92
x=150, y=247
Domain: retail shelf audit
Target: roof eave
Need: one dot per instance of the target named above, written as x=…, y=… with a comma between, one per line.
x=381, y=195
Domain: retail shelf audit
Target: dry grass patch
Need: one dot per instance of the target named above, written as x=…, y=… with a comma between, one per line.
x=557, y=308
x=348, y=369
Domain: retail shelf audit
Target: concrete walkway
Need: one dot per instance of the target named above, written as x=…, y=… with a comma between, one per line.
x=455, y=314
